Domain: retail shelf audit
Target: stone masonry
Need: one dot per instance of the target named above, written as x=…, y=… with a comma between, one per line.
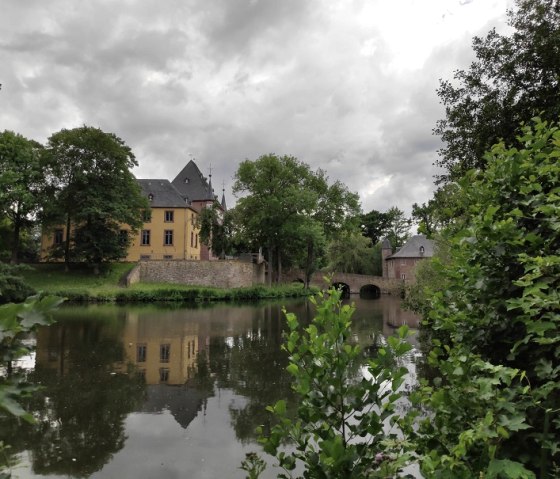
x=218, y=274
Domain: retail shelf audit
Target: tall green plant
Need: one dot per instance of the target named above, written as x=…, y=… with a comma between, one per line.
x=346, y=425
x=497, y=319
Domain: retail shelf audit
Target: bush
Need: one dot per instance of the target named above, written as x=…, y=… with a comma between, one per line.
x=497, y=320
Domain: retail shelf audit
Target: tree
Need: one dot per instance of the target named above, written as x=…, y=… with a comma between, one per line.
x=375, y=225
x=398, y=229
x=495, y=317
x=352, y=253
x=282, y=195
x=216, y=230
x=513, y=78
x=92, y=191
x=20, y=183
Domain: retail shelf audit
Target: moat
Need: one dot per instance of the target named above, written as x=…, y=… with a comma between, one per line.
x=163, y=391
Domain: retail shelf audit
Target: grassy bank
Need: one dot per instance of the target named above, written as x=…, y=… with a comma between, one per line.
x=81, y=285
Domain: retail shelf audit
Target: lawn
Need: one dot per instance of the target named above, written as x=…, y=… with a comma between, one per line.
x=80, y=284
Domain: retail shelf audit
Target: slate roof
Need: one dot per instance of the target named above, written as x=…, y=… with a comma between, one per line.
x=411, y=249
x=192, y=184
x=165, y=195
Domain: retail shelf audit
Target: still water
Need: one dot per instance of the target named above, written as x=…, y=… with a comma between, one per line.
x=152, y=391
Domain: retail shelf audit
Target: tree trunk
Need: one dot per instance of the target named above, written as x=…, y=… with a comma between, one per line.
x=67, y=245
x=270, y=263
x=15, y=245
x=309, y=263
x=279, y=276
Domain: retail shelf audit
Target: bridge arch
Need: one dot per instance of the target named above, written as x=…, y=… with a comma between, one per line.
x=345, y=288
x=370, y=291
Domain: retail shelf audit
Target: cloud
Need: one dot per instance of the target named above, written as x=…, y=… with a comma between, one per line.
x=347, y=85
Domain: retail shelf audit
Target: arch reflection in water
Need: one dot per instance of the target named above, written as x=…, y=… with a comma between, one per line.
x=370, y=291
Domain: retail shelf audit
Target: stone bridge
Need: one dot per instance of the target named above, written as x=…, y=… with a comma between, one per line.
x=350, y=283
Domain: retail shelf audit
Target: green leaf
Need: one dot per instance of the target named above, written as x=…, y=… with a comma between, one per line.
x=504, y=468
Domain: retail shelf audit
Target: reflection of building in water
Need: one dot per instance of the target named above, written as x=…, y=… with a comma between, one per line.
x=182, y=401
x=163, y=351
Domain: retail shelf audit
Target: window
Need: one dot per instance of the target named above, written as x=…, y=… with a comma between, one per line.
x=151, y=197
x=196, y=241
x=145, y=256
x=145, y=238
x=147, y=216
x=163, y=375
x=192, y=239
x=58, y=236
x=167, y=256
x=192, y=219
x=403, y=276
x=169, y=216
x=168, y=238
x=421, y=250
x=141, y=352
x=164, y=352
x=123, y=237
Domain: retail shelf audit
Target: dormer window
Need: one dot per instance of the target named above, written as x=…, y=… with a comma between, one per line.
x=151, y=197
x=421, y=251
x=187, y=180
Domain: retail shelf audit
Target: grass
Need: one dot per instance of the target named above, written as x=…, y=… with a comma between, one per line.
x=81, y=285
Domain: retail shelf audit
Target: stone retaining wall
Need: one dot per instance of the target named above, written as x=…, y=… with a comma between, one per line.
x=218, y=274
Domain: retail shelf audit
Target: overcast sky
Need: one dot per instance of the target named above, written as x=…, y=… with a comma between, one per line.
x=347, y=86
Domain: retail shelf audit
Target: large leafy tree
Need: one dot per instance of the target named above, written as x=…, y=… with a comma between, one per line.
x=92, y=191
x=514, y=77
x=284, y=199
x=398, y=229
x=374, y=225
x=495, y=316
x=351, y=252
x=20, y=184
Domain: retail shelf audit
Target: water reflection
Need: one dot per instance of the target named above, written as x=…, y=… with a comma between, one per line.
x=117, y=381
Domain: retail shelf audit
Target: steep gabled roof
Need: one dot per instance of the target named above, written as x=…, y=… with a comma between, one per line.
x=416, y=247
x=162, y=193
x=192, y=184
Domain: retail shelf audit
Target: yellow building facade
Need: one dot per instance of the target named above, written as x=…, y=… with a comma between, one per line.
x=170, y=229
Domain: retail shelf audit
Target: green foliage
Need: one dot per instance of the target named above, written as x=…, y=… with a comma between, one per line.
x=393, y=225
x=13, y=288
x=496, y=322
x=216, y=230
x=374, y=225
x=254, y=465
x=346, y=425
x=438, y=212
x=398, y=229
x=21, y=179
x=16, y=322
x=513, y=78
x=353, y=253
x=282, y=197
x=91, y=191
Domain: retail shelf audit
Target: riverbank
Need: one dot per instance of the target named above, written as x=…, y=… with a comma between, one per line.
x=81, y=285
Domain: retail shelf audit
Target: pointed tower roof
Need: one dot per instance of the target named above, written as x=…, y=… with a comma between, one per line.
x=192, y=184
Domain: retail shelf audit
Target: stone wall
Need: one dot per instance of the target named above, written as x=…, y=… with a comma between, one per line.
x=218, y=274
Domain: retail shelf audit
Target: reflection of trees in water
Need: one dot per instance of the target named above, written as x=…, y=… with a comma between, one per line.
x=251, y=363
x=81, y=409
